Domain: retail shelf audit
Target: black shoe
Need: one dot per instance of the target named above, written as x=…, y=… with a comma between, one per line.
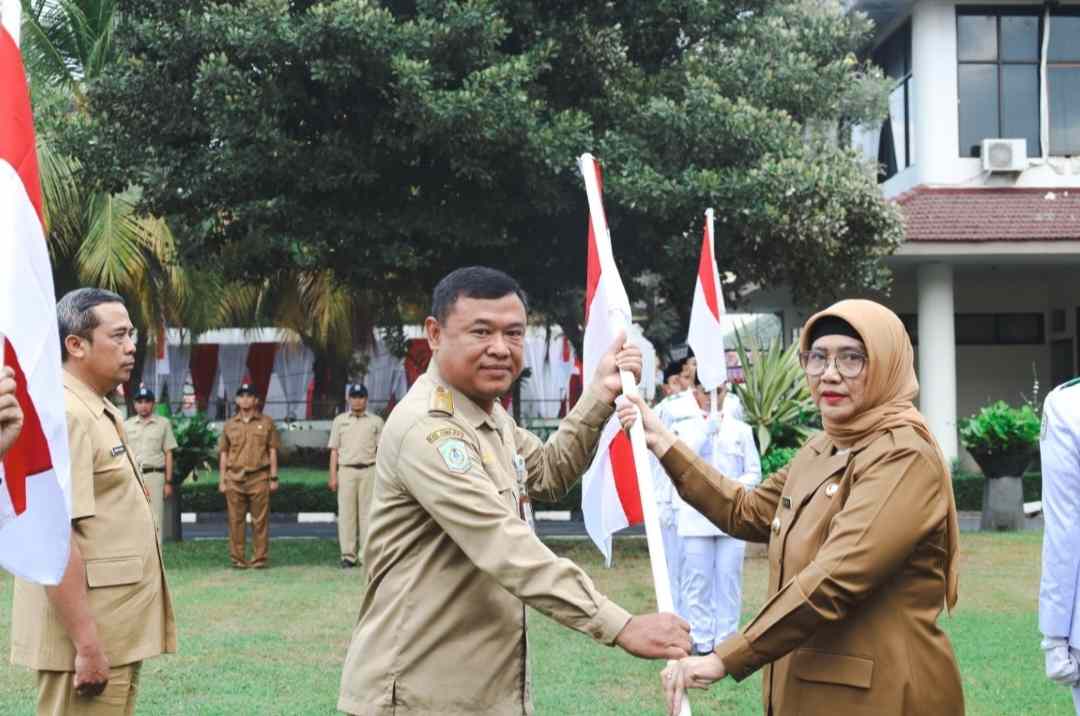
x=347, y=564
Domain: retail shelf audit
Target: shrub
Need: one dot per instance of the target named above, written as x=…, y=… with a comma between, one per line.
x=196, y=446
x=776, y=459
x=1001, y=428
x=774, y=393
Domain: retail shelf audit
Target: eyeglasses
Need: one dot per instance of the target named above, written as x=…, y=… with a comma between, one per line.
x=849, y=364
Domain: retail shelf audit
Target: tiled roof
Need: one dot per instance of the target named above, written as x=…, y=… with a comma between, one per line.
x=991, y=214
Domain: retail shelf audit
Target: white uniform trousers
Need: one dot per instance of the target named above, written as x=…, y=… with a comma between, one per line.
x=673, y=553
x=1076, y=699
x=711, y=588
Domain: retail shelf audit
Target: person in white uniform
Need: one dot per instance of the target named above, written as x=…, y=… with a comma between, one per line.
x=1059, y=602
x=710, y=593
x=681, y=414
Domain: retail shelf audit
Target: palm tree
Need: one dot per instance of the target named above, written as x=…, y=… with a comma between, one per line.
x=95, y=238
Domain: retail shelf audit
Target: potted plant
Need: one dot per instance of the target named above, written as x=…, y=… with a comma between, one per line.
x=195, y=452
x=1003, y=440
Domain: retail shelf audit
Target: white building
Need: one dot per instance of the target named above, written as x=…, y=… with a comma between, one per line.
x=988, y=278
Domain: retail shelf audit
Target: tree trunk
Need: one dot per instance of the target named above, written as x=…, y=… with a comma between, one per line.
x=171, y=528
x=141, y=341
x=331, y=374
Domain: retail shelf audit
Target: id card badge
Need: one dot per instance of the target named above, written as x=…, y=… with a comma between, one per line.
x=525, y=510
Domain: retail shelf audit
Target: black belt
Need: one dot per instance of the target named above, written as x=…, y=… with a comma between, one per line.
x=153, y=469
x=360, y=465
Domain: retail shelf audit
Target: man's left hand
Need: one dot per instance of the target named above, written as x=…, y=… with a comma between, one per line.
x=273, y=485
x=168, y=490
x=11, y=415
x=621, y=356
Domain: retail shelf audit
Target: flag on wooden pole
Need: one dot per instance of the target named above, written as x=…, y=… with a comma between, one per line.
x=706, y=335
x=35, y=523
x=608, y=497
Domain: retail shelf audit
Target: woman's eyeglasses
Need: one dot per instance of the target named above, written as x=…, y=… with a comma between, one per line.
x=849, y=364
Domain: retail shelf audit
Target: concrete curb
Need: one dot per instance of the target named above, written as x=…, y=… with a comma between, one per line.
x=192, y=518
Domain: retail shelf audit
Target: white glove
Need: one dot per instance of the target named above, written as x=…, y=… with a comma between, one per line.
x=1061, y=665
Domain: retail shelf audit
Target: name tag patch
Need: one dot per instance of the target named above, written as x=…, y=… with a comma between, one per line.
x=117, y=451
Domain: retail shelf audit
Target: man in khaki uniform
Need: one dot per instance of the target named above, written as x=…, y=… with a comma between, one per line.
x=152, y=442
x=249, y=473
x=87, y=637
x=451, y=555
x=11, y=415
x=354, y=437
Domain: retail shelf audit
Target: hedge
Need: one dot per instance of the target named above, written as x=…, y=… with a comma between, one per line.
x=299, y=497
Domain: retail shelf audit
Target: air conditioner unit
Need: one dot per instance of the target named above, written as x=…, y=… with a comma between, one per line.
x=1004, y=155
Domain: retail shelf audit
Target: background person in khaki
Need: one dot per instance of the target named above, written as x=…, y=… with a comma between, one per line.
x=152, y=442
x=87, y=637
x=354, y=438
x=451, y=556
x=249, y=473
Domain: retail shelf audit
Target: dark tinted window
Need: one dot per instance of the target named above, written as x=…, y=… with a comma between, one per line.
x=978, y=107
x=1063, y=90
x=976, y=38
x=976, y=329
x=1020, y=38
x=1020, y=104
x=1064, y=39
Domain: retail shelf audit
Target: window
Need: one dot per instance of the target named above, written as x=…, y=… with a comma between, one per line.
x=895, y=150
x=998, y=55
x=1063, y=83
x=988, y=329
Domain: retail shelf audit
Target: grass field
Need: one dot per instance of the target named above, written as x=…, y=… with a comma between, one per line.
x=272, y=642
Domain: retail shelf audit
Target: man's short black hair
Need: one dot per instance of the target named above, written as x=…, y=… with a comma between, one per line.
x=673, y=368
x=75, y=315
x=472, y=282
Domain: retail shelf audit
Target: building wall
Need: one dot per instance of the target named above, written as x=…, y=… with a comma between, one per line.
x=935, y=112
x=984, y=373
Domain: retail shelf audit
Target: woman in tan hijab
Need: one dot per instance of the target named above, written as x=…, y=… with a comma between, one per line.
x=862, y=535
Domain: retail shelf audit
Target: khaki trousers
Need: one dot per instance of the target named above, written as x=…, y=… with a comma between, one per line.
x=57, y=697
x=354, y=503
x=241, y=497
x=155, y=483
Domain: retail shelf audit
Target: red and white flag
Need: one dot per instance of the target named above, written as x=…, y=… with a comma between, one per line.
x=610, y=499
x=161, y=355
x=35, y=523
x=706, y=336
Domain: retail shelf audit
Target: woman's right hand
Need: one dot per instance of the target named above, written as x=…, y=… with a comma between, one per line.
x=657, y=437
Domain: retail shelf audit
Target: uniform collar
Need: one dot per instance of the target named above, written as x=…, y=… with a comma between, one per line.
x=95, y=403
x=240, y=418
x=469, y=410
x=822, y=444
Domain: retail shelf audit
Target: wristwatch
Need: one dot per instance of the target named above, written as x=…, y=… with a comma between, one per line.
x=273, y=478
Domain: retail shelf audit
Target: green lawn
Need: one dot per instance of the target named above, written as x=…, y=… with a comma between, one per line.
x=272, y=642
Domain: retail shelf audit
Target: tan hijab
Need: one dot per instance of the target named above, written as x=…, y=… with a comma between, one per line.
x=891, y=385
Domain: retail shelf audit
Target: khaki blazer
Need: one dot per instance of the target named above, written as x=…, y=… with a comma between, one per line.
x=452, y=562
x=247, y=444
x=356, y=438
x=857, y=560
x=149, y=440
x=113, y=526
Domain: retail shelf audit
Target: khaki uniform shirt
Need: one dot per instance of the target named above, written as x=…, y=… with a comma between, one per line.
x=149, y=439
x=247, y=444
x=113, y=527
x=452, y=563
x=857, y=577
x=355, y=437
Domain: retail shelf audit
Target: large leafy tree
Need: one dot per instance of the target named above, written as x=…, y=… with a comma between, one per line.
x=388, y=142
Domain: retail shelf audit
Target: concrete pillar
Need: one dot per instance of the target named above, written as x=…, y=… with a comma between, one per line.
x=937, y=354
x=935, y=134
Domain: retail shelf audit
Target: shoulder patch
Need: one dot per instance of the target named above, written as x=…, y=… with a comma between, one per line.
x=454, y=455
x=442, y=401
x=443, y=433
